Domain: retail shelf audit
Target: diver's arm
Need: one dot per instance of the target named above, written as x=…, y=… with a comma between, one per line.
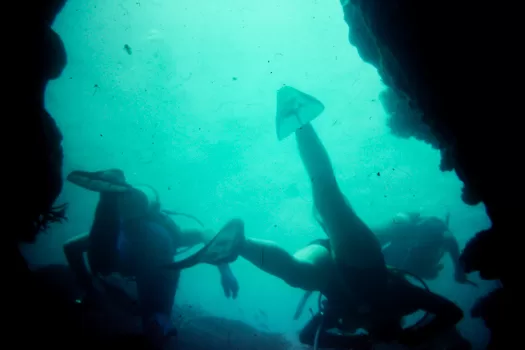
x=74, y=250
x=452, y=247
x=444, y=315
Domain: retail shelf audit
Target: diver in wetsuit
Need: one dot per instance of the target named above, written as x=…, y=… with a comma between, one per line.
x=418, y=243
x=415, y=245
x=133, y=237
x=349, y=268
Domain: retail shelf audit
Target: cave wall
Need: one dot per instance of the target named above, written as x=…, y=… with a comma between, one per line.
x=451, y=71
x=36, y=55
x=445, y=86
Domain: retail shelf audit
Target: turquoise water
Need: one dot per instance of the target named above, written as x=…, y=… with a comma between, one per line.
x=190, y=109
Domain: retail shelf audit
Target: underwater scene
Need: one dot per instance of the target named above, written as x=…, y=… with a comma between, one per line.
x=234, y=180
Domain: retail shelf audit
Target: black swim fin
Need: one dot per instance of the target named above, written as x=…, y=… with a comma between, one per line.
x=222, y=249
x=111, y=180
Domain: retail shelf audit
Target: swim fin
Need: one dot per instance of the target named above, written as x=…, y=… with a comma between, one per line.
x=294, y=109
x=111, y=180
x=222, y=249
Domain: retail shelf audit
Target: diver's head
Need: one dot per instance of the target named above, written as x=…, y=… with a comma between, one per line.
x=412, y=217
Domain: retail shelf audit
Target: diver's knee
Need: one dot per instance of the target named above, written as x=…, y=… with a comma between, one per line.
x=77, y=243
x=70, y=247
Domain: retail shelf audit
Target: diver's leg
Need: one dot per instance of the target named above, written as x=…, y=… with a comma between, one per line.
x=353, y=243
x=156, y=291
x=156, y=285
x=74, y=250
x=309, y=268
x=445, y=313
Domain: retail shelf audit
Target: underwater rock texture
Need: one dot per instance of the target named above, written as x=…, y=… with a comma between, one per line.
x=201, y=331
x=449, y=69
x=36, y=55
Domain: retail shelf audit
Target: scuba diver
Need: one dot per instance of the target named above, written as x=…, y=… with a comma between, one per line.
x=417, y=244
x=348, y=269
x=132, y=236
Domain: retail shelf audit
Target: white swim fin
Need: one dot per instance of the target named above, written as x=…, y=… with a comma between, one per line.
x=295, y=109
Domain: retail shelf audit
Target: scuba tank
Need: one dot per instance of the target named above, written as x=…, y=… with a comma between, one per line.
x=164, y=217
x=106, y=227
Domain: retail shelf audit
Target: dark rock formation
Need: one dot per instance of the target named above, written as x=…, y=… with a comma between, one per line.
x=491, y=309
x=449, y=69
x=38, y=56
x=41, y=311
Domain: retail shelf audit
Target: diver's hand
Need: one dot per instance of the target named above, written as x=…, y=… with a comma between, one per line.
x=461, y=277
x=228, y=281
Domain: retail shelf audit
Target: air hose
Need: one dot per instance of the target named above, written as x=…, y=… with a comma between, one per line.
x=176, y=213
